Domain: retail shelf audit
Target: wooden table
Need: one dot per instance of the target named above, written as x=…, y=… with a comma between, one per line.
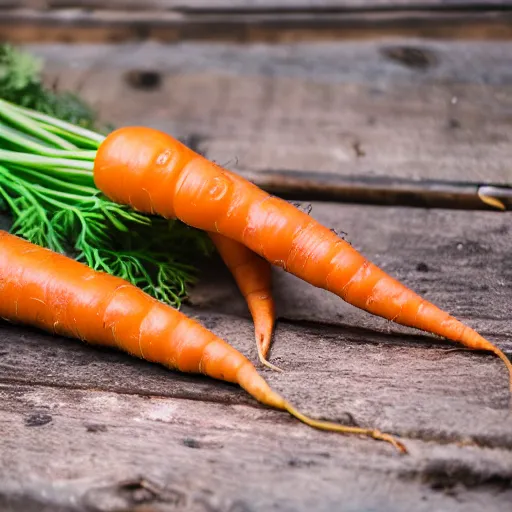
x=370, y=124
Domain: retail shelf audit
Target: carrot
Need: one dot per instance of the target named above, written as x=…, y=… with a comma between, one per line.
x=153, y=172
x=53, y=292
x=253, y=276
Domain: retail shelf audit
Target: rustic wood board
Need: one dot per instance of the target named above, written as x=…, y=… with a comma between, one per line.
x=86, y=425
x=413, y=385
x=325, y=115
x=243, y=21
x=89, y=429
x=104, y=452
x=249, y=5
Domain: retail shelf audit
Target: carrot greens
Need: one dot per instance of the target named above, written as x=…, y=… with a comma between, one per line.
x=47, y=186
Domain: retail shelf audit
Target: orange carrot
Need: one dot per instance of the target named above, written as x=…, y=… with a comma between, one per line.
x=153, y=172
x=253, y=276
x=60, y=295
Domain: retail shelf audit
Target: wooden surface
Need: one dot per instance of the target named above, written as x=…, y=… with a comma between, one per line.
x=395, y=121
x=245, y=20
x=267, y=5
x=96, y=428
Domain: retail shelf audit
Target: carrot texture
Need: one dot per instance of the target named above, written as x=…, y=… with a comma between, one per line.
x=154, y=173
x=253, y=275
x=60, y=295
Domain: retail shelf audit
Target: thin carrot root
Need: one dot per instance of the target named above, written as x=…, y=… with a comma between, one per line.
x=507, y=362
x=342, y=429
x=253, y=276
x=250, y=380
x=265, y=362
x=473, y=340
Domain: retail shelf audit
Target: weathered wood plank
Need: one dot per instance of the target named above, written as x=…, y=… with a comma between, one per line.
x=91, y=25
x=297, y=116
x=101, y=451
x=267, y=5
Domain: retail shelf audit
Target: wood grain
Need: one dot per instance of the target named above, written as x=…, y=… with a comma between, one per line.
x=103, y=452
x=263, y=21
x=412, y=387
x=85, y=429
x=250, y=5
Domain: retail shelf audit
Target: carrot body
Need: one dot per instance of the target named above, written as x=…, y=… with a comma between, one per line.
x=153, y=172
x=253, y=276
x=62, y=296
x=52, y=292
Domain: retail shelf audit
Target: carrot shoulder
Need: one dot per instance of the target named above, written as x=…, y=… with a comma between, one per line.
x=253, y=276
x=60, y=295
x=153, y=172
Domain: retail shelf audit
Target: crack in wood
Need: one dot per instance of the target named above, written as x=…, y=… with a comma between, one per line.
x=213, y=7
x=446, y=474
x=383, y=191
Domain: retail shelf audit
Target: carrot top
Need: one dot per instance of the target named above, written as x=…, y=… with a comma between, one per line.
x=46, y=184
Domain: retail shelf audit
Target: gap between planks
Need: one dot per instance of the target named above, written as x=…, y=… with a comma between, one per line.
x=317, y=186
x=87, y=25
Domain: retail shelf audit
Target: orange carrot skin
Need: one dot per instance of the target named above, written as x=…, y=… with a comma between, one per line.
x=154, y=173
x=253, y=276
x=55, y=293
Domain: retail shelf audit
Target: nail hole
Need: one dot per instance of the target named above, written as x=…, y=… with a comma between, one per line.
x=422, y=267
x=144, y=80
x=408, y=56
x=191, y=443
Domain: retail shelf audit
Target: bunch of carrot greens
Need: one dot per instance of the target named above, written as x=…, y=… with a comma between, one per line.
x=46, y=184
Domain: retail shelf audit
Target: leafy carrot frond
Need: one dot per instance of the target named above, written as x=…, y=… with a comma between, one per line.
x=47, y=185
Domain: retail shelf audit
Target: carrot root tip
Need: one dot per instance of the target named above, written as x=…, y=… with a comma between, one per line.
x=267, y=363
x=342, y=429
x=507, y=362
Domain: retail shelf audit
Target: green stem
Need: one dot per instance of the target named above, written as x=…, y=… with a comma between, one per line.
x=65, y=195
x=6, y=196
x=62, y=173
x=45, y=193
x=68, y=127
x=24, y=141
x=58, y=183
x=81, y=142
x=20, y=139
x=26, y=194
x=59, y=205
x=43, y=161
x=12, y=113
x=82, y=154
